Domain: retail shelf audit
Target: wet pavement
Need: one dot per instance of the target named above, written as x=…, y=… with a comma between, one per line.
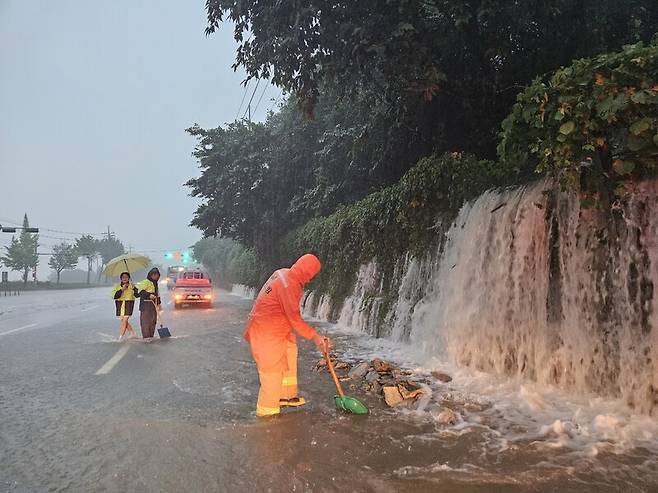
x=80, y=411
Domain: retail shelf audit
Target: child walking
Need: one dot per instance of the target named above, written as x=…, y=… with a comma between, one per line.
x=124, y=298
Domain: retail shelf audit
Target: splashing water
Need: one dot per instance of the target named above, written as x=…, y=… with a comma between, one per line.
x=243, y=291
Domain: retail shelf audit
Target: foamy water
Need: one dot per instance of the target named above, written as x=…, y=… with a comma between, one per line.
x=502, y=419
x=243, y=291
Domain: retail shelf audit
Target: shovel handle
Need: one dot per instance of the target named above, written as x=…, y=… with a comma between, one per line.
x=330, y=365
x=158, y=317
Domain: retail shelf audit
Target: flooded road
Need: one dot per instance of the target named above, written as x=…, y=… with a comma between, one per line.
x=82, y=412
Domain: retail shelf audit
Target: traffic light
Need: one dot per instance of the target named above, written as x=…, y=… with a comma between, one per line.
x=6, y=229
x=178, y=256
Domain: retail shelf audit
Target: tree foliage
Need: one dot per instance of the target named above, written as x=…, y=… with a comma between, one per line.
x=65, y=257
x=21, y=254
x=92, y=248
x=598, y=114
x=259, y=180
x=108, y=248
x=447, y=70
x=227, y=260
x=87, y=247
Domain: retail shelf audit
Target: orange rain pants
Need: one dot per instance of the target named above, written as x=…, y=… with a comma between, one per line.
x=278, y=383
x=269, y=331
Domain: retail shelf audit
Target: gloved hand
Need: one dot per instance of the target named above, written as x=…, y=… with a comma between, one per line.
x=320, y=342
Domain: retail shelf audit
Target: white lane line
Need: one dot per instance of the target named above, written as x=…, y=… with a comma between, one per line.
x=16, y=330
x=111, y=363
x=88, y=308
x=169, y=303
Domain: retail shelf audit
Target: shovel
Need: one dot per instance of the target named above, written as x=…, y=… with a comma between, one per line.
x=343, y=402
x=163, y=332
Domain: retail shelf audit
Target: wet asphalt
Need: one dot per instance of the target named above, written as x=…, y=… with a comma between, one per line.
x=82, y=412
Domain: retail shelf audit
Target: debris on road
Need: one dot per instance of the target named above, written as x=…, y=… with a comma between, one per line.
x=383, y=378
x=442, y=377
x=392, y=396
x=359, y=371
x=447, y=417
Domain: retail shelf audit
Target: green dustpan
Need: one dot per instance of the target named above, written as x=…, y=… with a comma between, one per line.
x=350, y=405
x=343, y=402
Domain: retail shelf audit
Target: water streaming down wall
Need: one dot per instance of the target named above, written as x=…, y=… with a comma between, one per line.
x=527, y=284
x=243, y=291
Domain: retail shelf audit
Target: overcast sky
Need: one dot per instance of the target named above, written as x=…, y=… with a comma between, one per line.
x=94, y=100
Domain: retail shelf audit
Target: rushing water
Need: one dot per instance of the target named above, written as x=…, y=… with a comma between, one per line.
x=543, y=309
x=243, y=291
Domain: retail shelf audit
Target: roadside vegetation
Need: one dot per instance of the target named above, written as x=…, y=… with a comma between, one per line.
x=400, y=112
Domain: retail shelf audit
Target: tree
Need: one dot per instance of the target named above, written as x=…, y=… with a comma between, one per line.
x=108, y=248
x=227, y=260
x=449, y=70
x=65, y=257
x=262, y=179
x=87, y=247
x=21, y=254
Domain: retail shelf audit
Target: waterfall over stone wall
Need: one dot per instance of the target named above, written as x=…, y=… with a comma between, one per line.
x=528, y=284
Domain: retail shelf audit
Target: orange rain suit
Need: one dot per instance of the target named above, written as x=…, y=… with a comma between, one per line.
x=270, y=334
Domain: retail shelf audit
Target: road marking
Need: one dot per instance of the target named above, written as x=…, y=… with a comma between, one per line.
x=16, y=330
x=111, y=363
x=88, y=308
x=169, y=303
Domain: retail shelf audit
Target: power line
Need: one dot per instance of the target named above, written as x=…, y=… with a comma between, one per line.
x=250, y=100
x=261, y=98
x=244, y=94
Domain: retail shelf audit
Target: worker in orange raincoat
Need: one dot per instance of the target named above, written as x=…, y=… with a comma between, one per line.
x=269, y=331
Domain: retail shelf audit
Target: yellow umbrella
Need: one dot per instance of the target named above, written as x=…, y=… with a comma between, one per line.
x=130, y=262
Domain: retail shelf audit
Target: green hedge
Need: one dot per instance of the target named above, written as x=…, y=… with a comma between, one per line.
x=391, y=222
x=598, y=114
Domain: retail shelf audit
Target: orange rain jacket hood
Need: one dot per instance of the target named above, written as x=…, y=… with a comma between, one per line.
x=306, y=268
x=276, y=312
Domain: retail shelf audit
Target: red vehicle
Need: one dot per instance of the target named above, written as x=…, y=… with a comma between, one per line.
x=193, y=286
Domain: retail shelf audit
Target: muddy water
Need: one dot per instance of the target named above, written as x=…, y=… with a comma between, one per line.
x=178, y=416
